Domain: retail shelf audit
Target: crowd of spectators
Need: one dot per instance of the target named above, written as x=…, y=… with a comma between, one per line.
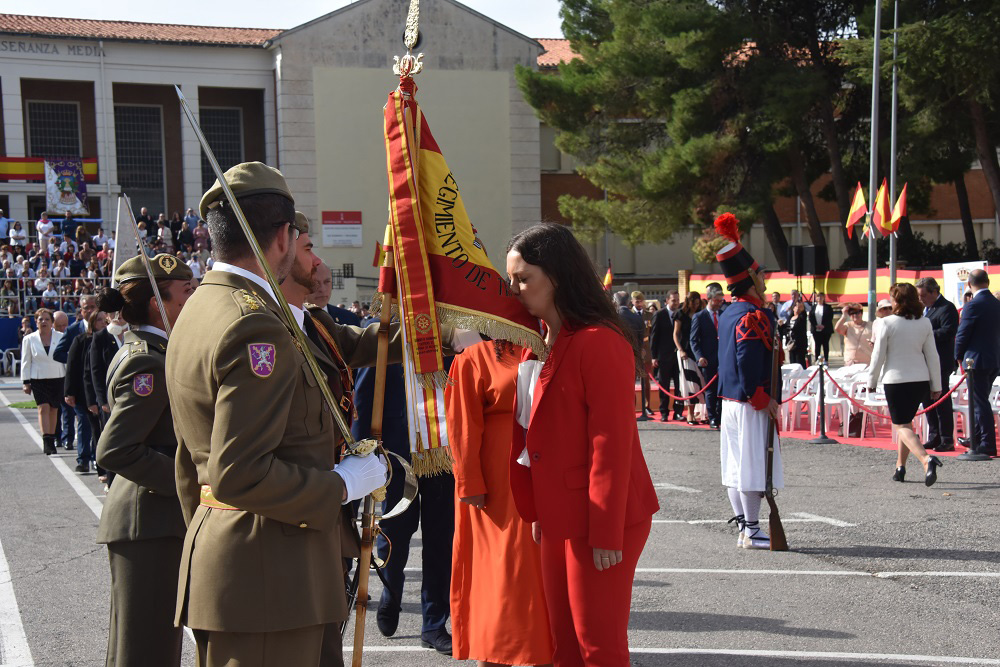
x=54, y=264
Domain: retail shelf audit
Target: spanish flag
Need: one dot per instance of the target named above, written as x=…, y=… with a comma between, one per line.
x=608, y=278
x=880, y=213
x=898, y=211
x=858, y=210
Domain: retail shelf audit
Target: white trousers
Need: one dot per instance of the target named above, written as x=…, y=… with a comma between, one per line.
x=743, y=448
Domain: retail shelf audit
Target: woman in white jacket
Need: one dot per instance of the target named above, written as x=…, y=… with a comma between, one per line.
x=907, y=359
x=42, y=376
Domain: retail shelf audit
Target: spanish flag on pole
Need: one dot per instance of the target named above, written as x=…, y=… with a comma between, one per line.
x=435, y=264
x=899, y=210
x=880, y=214
x=608, y=278
x=858, y=210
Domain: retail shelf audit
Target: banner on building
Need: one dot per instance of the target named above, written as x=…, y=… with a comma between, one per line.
x=956, y=279
x=65, y=188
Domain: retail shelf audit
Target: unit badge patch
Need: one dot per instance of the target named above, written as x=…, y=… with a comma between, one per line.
x=261, y=359
x=142, y=385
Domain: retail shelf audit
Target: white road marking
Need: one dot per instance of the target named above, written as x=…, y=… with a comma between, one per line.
x=14, y=650
x=810, y=573
x=823, y=519
x=88, y=498
x=889, y=575
x=674, y=487
x=813, y=655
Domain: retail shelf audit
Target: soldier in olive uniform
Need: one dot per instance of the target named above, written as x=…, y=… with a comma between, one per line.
x=141, y=522
x=257, y=473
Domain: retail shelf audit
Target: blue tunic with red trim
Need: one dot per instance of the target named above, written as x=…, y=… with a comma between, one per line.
x=745, y=331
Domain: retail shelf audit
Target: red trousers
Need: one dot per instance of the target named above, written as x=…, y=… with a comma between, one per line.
x=589, y=610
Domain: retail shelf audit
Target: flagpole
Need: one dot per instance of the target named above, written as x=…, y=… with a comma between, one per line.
x=892, y=149
x=873, y=173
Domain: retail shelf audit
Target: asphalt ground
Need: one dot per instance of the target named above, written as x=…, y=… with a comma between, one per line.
x=879, y=573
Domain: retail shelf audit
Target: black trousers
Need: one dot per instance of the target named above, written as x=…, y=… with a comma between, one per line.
x=434, y=511
x=822, y=343
x=941, y=420
x=712, y=394
x=985, y=440
x=667, y=375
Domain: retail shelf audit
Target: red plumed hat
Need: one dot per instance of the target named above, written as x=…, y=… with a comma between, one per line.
x=736, y=262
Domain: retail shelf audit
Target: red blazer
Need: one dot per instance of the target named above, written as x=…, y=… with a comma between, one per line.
x=588, y=477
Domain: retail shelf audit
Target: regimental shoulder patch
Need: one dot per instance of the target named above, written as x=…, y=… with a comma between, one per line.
x=262, y=358
x=142, y=385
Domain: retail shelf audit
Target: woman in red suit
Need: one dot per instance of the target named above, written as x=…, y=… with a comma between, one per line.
x=577, y=472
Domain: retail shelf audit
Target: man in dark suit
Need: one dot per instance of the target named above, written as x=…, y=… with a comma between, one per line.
x=944, y=319
x=637, y=325
x=88, y=304
x=978, y=340
x=705, y=345
x=664, y=351
x=321, y=297
x=821, y=323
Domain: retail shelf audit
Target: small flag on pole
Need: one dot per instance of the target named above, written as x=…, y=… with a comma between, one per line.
x=858, y=210
x=608, y=278
x=899, y=210
x=880, y=213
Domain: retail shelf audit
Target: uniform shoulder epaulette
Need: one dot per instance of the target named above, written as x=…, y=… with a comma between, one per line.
x=248, y=301
x=137, y=347
x=754, y=325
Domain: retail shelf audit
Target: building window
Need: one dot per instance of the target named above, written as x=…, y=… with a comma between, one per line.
x=54, y=129
x=139, y=147
x=223, y=128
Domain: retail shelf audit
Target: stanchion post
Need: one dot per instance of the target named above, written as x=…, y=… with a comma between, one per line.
x=973, y=454
x=823, y=439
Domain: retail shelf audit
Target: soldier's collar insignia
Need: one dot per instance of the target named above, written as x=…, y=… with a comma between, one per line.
x=262, y=358
x=142, y=385
x=168, y=263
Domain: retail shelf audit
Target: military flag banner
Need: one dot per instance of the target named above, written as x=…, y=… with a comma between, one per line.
x=65, y=188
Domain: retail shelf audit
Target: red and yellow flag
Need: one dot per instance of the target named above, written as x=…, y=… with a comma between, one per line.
x=880, y=212
x=899, y=210
x=858, y=210
x=608, y=278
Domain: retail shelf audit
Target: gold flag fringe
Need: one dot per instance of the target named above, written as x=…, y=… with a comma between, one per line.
x=431, y=462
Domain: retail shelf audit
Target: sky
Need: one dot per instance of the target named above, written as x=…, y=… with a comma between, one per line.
x=534, y=18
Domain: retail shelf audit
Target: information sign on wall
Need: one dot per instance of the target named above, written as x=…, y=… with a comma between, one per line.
x=342, y=229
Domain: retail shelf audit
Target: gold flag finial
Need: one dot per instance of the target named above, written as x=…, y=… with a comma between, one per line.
x=407, y=66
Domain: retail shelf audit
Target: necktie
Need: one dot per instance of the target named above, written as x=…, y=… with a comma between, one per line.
x=715, y=318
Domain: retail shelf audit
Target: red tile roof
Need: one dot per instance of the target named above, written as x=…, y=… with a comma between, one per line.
x=556, y=51
x=44, y=26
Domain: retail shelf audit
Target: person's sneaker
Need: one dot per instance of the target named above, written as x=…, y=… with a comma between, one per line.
x=387, y=620
x=439, y=640
x=754, y=537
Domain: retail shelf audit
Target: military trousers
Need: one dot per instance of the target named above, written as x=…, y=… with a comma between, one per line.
x=143, y=598
x=313, y=646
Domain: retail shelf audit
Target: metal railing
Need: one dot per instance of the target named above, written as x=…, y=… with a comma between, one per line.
x=25, y=299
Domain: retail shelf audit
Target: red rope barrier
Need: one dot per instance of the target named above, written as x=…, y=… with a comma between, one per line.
x=802, y=388
x=934, y=405
x=684, y=398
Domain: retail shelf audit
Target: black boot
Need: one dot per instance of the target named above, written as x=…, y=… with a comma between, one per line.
x=48, y=444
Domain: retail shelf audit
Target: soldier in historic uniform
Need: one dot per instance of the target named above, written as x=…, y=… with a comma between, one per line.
x=141, y=522
x=257, y=472
x=746, y=330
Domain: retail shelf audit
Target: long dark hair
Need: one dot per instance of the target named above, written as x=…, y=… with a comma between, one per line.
x=579, y=295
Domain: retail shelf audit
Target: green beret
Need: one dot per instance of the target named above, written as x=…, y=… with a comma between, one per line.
x=245, y=179
x=164, y=266
x=301, y=222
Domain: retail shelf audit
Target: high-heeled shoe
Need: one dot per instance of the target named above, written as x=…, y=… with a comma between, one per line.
x=900, y=474
x=932, y=465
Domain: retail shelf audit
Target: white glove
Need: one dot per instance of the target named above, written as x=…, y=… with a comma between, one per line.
x=361, y=475
x=463, y=338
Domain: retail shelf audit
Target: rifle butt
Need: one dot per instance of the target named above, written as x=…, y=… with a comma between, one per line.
x=778, y=540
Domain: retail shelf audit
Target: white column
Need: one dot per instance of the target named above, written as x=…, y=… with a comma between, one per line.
x=191, y=148
x=270, y=114
x=107, y=155
x=13, y=113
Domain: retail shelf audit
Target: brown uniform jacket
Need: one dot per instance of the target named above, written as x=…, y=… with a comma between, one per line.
x=259, y=434
x=138, y=443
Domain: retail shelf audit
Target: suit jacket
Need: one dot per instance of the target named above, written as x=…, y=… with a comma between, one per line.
x=103, y=349
x=588, y=478
x=36, y=364
x=73, y=383
x=343, y=316
x=705, y=337
x=661, y=336
x=944, y=318
x=61, y=351
x=978, y=336
x=826, y=320
x=138, y=444
x=252, y=424
x=636, y=323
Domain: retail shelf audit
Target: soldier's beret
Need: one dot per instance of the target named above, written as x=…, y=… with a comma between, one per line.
x=301, y=222
x=245, y=179
x=164, y=266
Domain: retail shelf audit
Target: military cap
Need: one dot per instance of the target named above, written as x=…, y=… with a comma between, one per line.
x=638, y=295
x=164, y=266
x=301, y=222
x=245, y=179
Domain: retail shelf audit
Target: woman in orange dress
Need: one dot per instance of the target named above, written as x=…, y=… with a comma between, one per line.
x=498, y=613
